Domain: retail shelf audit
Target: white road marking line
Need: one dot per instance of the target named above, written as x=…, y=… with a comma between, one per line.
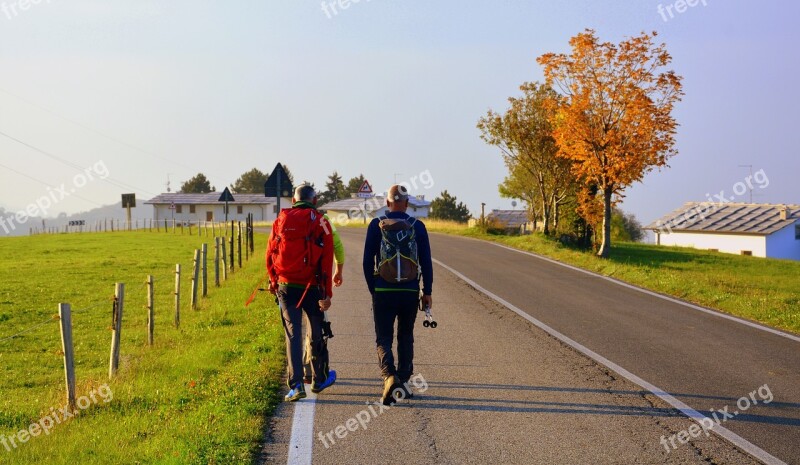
x=301, y=444
x=721, y=431
x=656, y=294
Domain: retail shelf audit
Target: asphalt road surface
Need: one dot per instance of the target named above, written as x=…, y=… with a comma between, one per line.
x=532, y=363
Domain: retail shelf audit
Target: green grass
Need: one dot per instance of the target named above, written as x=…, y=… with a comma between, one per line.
x=763, y=290
x=201, y=394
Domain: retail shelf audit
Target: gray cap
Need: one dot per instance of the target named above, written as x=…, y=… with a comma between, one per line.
x=397, y=192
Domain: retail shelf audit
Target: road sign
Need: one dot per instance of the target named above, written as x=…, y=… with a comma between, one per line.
x=172, y=206
x=128, y=200
x=365, y=191
x=77, y=223
x=226, y=196
x=278, y=183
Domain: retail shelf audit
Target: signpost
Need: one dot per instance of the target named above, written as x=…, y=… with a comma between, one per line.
x=278, y=185
x=365, y=192
x=226, y=197
x=128, y=202
x=172, y=207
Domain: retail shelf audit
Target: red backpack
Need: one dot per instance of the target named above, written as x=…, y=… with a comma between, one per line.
x=299, y=245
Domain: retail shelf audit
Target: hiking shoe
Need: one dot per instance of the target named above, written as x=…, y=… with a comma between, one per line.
x=296, y=393
x=389, y=385
x=407, y=392
x=317, y=388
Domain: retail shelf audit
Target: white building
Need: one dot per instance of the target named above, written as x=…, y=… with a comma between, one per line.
x=357, y=208
x=760, y=230
x=207, y=207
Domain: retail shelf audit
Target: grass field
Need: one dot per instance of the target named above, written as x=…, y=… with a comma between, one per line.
x=201, y=394
x=763, y=290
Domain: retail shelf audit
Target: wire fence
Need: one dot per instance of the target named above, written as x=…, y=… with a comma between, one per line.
x=222, y=260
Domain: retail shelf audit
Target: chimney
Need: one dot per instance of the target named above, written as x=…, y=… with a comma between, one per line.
x=784, y=213
x=421, y=197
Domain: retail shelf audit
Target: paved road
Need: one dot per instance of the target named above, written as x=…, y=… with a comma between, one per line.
x=499, y=389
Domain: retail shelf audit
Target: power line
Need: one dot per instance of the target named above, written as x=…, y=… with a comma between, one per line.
x=95, y=131
x=109, y=180
x=47, y=185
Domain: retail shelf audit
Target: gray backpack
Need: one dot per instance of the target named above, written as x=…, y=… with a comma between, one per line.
x=399, y=259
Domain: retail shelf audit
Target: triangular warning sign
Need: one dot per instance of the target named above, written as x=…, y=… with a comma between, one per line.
x=365, y=188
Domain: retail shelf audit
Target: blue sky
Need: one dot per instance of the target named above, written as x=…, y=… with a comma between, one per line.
x=383, y=87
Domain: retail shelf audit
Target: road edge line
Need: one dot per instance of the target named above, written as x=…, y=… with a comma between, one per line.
x=679, y=405
x=301, y=442
x=655, y=294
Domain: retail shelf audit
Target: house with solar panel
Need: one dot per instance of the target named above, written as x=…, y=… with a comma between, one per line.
x=356, y=208
x=760, y=230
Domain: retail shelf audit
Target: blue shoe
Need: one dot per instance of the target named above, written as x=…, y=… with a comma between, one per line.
x=317, y=388
x=296, y=393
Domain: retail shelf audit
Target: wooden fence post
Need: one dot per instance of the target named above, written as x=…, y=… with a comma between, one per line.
x=205, y=269
x=216, y=261
x=239, y=241
x=195, y=276
x=233, y=250
x=252, y=246
x=178, y=295
x=150, y=310
x=224, y=258
x=65, y=317
x=116, y=328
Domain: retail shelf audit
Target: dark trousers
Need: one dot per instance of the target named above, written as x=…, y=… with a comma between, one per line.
x=293, y=328
x=386, y=308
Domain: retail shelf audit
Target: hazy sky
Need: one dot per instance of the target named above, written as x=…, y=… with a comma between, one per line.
x=382, y=87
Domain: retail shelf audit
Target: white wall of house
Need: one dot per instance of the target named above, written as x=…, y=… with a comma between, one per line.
x=357, y=214
x=217, y=212
x=785, y=243
x=729, y=243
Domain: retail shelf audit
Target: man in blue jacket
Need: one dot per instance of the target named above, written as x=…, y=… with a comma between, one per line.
x=396, y=252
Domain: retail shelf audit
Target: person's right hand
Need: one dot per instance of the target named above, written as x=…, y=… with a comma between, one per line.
x=427, y=301
x=324, y=305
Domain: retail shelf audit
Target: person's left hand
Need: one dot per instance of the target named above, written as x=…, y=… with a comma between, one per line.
x=324, y=305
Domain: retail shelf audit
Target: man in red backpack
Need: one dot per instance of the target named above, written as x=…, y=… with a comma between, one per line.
x=299, y=263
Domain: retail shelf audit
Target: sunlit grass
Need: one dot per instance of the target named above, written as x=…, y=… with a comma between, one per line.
x=199, y=395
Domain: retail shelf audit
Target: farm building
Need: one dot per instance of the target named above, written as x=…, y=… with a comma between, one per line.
x=511, y=220
x=356, y=208
x=760, y=230
x=207, y=207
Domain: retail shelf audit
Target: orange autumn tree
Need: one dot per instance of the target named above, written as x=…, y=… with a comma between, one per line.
x=615, y=119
